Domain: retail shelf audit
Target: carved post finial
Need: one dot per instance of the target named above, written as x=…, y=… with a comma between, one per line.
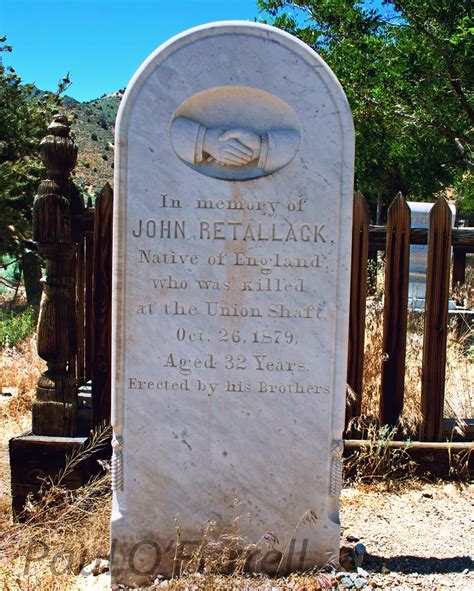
x=58, y=149
x=54, y=411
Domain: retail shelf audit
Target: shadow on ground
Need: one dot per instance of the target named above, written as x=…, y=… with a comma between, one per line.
x=421, y=565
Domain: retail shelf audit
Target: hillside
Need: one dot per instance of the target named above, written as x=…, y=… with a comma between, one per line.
x=93, y=125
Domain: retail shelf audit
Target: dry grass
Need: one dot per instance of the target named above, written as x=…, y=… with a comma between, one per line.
x=212, y=582
x=378, y=464
x=459, y=394
x=61, y=531
x=20, y=368
x=71, y=528
x=459, y=400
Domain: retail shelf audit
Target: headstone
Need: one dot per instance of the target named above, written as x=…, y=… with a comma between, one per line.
x=420, y=218
x=232, y=242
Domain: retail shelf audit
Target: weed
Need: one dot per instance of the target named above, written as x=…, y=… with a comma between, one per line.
x=68, y=528
x=377, y=461
x=459, y=393
x=20, y=368
x=16, y=325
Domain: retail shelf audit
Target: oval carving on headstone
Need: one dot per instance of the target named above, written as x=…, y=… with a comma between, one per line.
x=235, y=133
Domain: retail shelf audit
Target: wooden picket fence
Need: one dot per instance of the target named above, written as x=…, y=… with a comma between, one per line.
x=395, y=240
x=94, y=310
x=94, y=281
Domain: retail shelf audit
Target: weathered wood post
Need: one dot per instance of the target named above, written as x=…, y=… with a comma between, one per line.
x=436, y=321
x=395, y=311
x=360, y=249
x=54, y=410
x=102, y=307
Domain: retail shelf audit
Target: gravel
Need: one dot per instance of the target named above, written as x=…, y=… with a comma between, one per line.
x=418, y=538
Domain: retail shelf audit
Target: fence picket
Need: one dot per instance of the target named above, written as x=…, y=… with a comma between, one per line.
x=102, y=306
x=395, y=311
x=88, y=331
x=360, y=249
x=80, y=290
x=436, y=322
x=459, y=268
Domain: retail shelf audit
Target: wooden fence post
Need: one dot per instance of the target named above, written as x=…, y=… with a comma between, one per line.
x=360, y=248
x=459, y=270
x=395, y=311
x=102, y=307
x=88, y=325
x=54, y=411
x=80, y=279
x=436, y=321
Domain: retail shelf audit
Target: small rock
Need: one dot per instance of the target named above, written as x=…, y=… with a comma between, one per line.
x=353, y=576
x=446, y=582
x=360, y=583
x=361, y=572
x=351, y=538
x=359, y=553
x=427, y=495
x=95, y=568
x=465, y=571
x=345, y=558
x=346, y=581
x=385, y=570
x=101, y=566
x=340, y=575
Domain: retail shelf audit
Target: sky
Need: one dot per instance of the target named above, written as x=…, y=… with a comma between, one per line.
x=101, y=43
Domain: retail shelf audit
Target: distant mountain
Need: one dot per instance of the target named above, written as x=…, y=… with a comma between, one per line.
x=93, y=125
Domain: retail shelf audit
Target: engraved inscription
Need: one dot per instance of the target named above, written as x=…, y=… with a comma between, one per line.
x=244, y=313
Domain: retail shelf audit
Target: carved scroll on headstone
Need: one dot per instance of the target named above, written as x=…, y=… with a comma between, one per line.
x=56, y=393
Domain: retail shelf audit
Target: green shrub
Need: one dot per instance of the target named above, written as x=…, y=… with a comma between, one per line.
x=16, y=326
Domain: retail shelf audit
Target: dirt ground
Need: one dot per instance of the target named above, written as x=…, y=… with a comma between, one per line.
x=419, y=538
x=423, y=535
x=416, y=538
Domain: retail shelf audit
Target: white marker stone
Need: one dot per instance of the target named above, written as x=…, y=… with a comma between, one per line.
x=420, y=218
x=232, y=240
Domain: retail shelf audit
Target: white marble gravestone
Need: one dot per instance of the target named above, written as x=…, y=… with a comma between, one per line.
x=232, y=240
x=420, y=218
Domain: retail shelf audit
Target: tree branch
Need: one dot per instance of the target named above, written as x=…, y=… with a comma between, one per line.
x=425, y=29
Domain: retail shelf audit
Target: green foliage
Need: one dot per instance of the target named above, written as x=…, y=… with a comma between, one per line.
x=9, y=273
x=16, y=326
x=406, y=70
x=24, y=117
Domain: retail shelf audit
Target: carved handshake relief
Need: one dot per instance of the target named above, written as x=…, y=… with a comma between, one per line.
x=234, y=147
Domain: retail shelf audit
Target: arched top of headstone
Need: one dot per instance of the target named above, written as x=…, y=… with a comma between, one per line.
x=233, y=120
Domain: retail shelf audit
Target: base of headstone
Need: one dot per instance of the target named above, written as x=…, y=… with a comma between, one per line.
x=138, y=558
x=33, y=458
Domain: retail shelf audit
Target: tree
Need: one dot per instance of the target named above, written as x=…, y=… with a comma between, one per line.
x=24, y=118
x=406, y=71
